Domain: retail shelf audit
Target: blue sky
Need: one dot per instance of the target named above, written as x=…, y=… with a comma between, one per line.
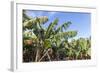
x=81, y=22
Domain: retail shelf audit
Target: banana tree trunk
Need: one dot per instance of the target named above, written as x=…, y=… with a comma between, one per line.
x=45, y=54
x=37, y=55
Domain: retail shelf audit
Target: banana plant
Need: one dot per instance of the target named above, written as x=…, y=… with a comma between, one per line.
x=34, y=26
x=51, y=42
x=81, y=48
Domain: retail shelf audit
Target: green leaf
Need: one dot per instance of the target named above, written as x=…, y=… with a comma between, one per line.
x=47, y=43
x=65, y=26
x=68, y=34
x=50, y=28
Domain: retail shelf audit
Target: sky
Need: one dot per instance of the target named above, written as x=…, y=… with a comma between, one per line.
x=81, y=22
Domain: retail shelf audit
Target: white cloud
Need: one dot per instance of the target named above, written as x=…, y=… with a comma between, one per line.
x=39, y=13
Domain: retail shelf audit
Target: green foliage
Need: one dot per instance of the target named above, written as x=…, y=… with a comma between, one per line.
x=50, y=28
x=63, y=26
x=52, y=43
x=47, y=43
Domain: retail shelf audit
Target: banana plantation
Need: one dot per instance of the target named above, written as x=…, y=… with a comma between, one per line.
x=52, y=43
